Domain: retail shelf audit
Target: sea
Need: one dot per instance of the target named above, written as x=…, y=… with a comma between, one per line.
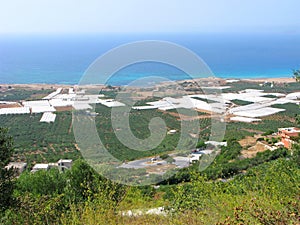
x=63, y=59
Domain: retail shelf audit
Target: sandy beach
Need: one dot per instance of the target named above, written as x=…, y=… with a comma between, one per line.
x=276, y=80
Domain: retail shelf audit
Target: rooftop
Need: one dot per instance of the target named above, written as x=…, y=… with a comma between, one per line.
x=65, y=160
x=40, y=166
x=48, y=117
x=290, y=129
x=17, y=110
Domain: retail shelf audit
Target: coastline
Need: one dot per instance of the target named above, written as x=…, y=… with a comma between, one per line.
x=38, y=86
x=55, y=86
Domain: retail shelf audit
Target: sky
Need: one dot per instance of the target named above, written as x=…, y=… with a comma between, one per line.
x=139, y=16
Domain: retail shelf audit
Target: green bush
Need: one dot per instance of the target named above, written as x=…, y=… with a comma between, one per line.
x=164, y=156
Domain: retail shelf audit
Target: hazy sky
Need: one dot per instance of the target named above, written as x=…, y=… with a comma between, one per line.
x=90, y=16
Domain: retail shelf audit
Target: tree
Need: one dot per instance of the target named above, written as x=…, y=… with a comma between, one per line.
x=42, y=182
x=296, y=75
x=164, y=156
x=81, y=181
x=201, y=144
x=170, y=160
x=6, y=175
x=85, y=184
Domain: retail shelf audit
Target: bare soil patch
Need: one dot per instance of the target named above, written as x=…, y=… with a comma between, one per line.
x=160, y=168
x=16, y=105
x=63, y=108
x=252, y=151
x=248, y=141
x=276, y=80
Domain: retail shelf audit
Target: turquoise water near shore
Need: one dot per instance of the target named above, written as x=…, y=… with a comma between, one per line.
x=63, y=59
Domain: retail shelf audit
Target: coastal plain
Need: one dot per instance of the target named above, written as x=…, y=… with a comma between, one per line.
x=43, y=142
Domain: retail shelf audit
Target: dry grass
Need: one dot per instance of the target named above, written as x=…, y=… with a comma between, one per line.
x=252, y=151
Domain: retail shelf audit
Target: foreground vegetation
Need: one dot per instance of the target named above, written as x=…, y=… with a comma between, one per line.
x=266, y=194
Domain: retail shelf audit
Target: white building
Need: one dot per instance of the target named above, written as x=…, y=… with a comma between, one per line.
x=216, y=143
x=39, y=106
x=48, y=117
x=195, y=157
x=17, y=110
x=40, y=166
x=64, y=164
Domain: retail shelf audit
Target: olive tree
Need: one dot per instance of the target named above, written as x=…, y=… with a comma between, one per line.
x=6, y=175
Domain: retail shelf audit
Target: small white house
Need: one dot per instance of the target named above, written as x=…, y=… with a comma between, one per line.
x=195, y=157
x=64, y=164
x=40, y=166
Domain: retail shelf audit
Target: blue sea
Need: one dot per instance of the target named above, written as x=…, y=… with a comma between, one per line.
x=63, y=59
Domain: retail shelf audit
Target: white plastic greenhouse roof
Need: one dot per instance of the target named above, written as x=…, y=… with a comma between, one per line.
x=48, y=117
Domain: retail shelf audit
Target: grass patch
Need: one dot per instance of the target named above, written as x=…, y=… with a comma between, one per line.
x=269, y=96
x=209, y=101
x=241, y=102
x=23, y=94
x=278, y=87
